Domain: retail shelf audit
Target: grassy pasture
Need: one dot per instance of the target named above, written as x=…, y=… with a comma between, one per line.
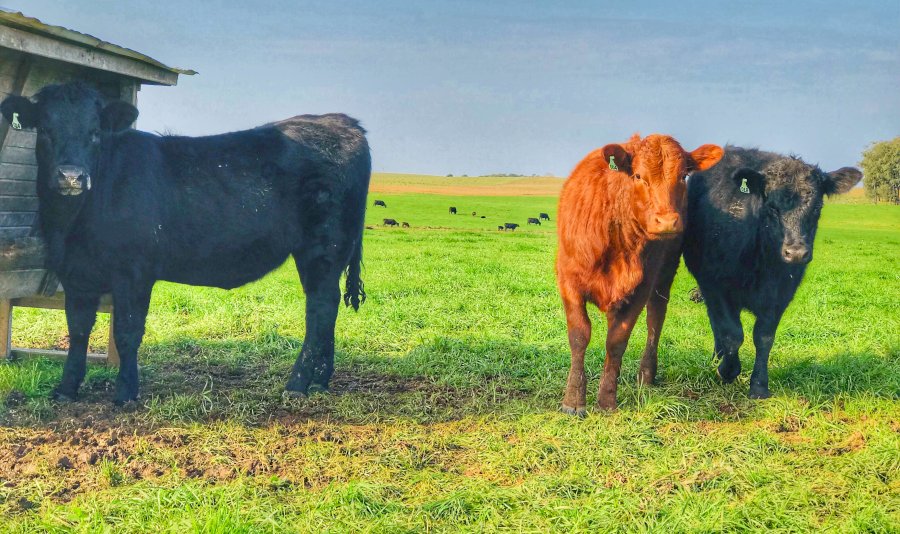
x=443, y=411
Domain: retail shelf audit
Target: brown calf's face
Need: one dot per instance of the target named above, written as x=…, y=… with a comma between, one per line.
x=658, y=166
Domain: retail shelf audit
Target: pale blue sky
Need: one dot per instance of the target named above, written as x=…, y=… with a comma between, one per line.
x=477, y=87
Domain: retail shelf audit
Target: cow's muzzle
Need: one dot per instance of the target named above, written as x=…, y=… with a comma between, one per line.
x=665, y=225
x=796, y=253
x=71, y=180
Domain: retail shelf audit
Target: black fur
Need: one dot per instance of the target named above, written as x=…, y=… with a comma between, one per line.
x=750, y=250
x=219, y=211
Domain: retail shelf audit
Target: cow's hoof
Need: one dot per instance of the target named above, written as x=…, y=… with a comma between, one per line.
x=761, y=392
x=606, y=405
x=59, y=396
x=727, y=372
x=289, y=394
x=580, y=413
x=317, y=389
x=645, y=378
x=124, y=397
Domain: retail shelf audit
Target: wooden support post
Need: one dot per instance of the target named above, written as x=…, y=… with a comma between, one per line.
x=5, y=329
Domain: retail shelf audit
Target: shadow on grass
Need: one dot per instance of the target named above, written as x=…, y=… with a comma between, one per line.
x=188, y=381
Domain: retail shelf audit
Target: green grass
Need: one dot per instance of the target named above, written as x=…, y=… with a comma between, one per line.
x=443, y=415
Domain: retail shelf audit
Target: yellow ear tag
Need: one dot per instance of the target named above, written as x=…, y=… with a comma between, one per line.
x=612, y=163
x=744, y=188
x=15, y=122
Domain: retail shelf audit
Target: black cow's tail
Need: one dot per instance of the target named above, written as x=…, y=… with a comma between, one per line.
x=355, y=293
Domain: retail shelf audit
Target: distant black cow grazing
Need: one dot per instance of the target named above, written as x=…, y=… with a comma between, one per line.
x=484, y=216
x=405, y=225
x=544, y=217
x=749, y=237
x=120, y=209
x=510, y=226
x=391, y=222
x=380, y=203
x=533, y=220
x=474, y=214
x=501, y=228
x=452, y=210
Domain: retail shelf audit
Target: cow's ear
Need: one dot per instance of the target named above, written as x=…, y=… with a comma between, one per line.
x=621, y=159
x=117, y=116
x=18, y=110
x=841, y=180
x=749, y=181
x=704, y=157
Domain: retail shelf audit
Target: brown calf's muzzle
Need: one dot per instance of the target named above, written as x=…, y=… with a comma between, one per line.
x=665, y=225
x=70, y=180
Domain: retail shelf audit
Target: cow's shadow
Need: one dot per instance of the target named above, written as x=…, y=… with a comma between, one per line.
x=186, y=381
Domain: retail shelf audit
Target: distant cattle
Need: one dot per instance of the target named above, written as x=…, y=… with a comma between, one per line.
x=380, y=203
x=474, y=214
x=120, y=209
x=510, y=226
x=621, y=216
x=452, y=210
x=484, y=217
x=390, y=222
x=753, y=220
x=534, y=220
x=545, y=217
x=405, y=225
x=501, y=228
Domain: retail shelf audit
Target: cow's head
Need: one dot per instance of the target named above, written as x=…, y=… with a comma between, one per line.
x=656, y=167
x=792, y=193
x=71, y=120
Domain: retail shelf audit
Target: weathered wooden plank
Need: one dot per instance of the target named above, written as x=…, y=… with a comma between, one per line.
x=11, y=232
x=58, y=302
x=5, y=328
x=20, y=283
x=18, y=203
x=21, y=138
x=20, y=78
x=22, y=254
x=18, y=155
x=40, y=45
x=17, y=188
x=16, y=353
x=17, y=218
x=13, y=171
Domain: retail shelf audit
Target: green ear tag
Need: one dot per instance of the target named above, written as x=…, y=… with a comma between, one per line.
x=612, y=163
x=744, y=188
x=15, y=122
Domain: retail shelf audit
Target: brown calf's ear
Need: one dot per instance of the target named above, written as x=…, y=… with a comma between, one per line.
x=117, y=116
x=621, y=160
x=841, y=180
x=705, y=157
x=19, y=111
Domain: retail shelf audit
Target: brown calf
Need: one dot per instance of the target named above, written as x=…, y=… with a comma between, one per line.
x=621, y=218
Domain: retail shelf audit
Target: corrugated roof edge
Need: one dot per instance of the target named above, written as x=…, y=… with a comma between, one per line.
x=20, y=21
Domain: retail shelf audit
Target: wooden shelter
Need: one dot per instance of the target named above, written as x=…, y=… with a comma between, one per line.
x=32, y=55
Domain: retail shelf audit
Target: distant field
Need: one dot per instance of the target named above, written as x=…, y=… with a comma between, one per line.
x=443, y=415
x=479, y=186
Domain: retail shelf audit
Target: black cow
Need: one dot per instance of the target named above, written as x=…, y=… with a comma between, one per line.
x=380, y=203
x=544, y=217
x=391, y=222
x=749, y=237
x=452, y=210
x=405, y=225
x=501, y=228
x=120, y=209
x=533, y=220
x=474, y=214
x=510, y=226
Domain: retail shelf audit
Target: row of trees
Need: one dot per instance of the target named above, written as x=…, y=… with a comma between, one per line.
x=881, y=169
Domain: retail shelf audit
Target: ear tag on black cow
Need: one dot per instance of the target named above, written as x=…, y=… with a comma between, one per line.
x=744, y=188
x=15, y=122
x=612, y=163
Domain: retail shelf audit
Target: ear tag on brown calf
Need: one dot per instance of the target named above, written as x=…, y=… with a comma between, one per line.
x=612, y=163
x=15, y=122
x=744, y=188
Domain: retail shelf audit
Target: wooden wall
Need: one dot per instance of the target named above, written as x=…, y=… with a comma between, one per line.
x=21, y=250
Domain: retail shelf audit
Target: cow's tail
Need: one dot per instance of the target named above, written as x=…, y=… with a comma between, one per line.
x=355, y=293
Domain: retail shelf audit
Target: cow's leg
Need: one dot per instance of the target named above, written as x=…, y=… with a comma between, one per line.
x=725, y=320
x=81, y=312
x=656, y=315
x=579, y=327
x=763, y=338
x=619, y=325
x=313, y=368
x=131, y=300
